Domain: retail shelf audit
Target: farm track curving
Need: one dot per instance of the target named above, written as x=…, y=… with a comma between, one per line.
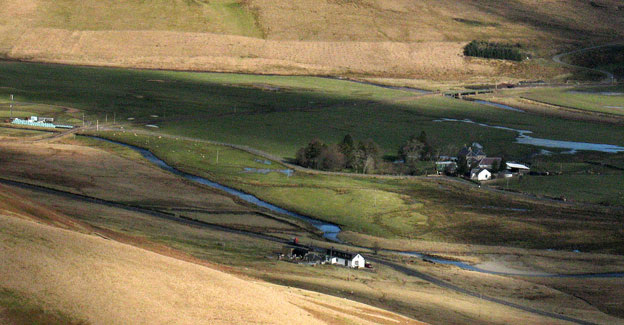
x=197, y=223
x=610, y=78
x=411, y=272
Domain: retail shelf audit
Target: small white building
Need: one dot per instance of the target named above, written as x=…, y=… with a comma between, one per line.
x=480, y=174
x=518, y=168
x=352, y=260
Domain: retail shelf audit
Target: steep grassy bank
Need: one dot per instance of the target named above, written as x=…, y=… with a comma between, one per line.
x=399, y=38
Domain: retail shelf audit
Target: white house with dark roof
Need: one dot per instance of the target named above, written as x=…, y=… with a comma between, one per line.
x=338, y=257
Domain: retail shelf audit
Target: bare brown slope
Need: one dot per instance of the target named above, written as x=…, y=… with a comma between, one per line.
x=106, y=282
x=439, y=20
x=202, y=51
x=397, y=38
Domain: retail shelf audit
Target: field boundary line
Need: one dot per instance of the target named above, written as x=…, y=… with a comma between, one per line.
x=575, y=109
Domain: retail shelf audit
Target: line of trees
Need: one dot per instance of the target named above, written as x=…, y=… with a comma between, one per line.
x=366, y=156
x=492, y=50
x=363, y=157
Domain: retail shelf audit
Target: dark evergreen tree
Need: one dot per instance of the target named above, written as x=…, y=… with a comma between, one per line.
x=503, y=165
x=462, y=166
x=347, y=145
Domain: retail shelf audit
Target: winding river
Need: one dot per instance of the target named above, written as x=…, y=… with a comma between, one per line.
x=525, y=138
x=330, y=231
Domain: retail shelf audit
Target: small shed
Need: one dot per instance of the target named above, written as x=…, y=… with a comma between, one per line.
x=294, y=251
x=518, y=168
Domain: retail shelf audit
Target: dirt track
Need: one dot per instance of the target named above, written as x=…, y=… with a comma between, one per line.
x=187, y=221
x=106, y=282
x=610, y=78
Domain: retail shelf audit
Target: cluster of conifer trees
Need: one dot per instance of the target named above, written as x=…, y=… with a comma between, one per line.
x=490, y=50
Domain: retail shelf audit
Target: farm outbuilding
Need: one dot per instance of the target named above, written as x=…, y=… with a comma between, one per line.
x=348, y=259
x=518, y=168
x=294, y=252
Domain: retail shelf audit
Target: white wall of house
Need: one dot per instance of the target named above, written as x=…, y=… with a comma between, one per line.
x=338, y=260
x=357, y=261
x=484, y=175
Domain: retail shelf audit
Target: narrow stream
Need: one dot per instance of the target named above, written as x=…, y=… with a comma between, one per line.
x=524, y=138
x=330, y=231
x=503, y=106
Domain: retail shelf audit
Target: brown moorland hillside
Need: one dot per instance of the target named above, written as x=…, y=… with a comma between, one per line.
x=396, y=38
x=105, y=282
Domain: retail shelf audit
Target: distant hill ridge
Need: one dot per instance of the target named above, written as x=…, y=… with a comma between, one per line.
x=358, y=37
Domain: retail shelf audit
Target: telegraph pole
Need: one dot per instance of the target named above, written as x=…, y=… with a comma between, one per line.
x=11, y=108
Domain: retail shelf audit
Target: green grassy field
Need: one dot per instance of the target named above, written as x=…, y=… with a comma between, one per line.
x=18, y=133
x=391, y=208
x=342, y=200
x=581, y=178
x=584, y=188
x=280, y=114
x=220, y=16
x=598, y=99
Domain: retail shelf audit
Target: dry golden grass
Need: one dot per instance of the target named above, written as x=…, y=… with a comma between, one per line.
x=106, y=282
x=430, y=303
x=379, y=20
x=445, y=306
x=536, y=260
x=398, y=38
x=95, y=172
x=214, y=52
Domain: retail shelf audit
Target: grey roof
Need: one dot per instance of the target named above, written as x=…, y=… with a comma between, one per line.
x=490, y=160
x=478, y=153
x=464, y=151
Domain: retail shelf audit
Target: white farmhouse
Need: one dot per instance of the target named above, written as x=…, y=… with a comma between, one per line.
x=480, y=174
x=352, y=260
